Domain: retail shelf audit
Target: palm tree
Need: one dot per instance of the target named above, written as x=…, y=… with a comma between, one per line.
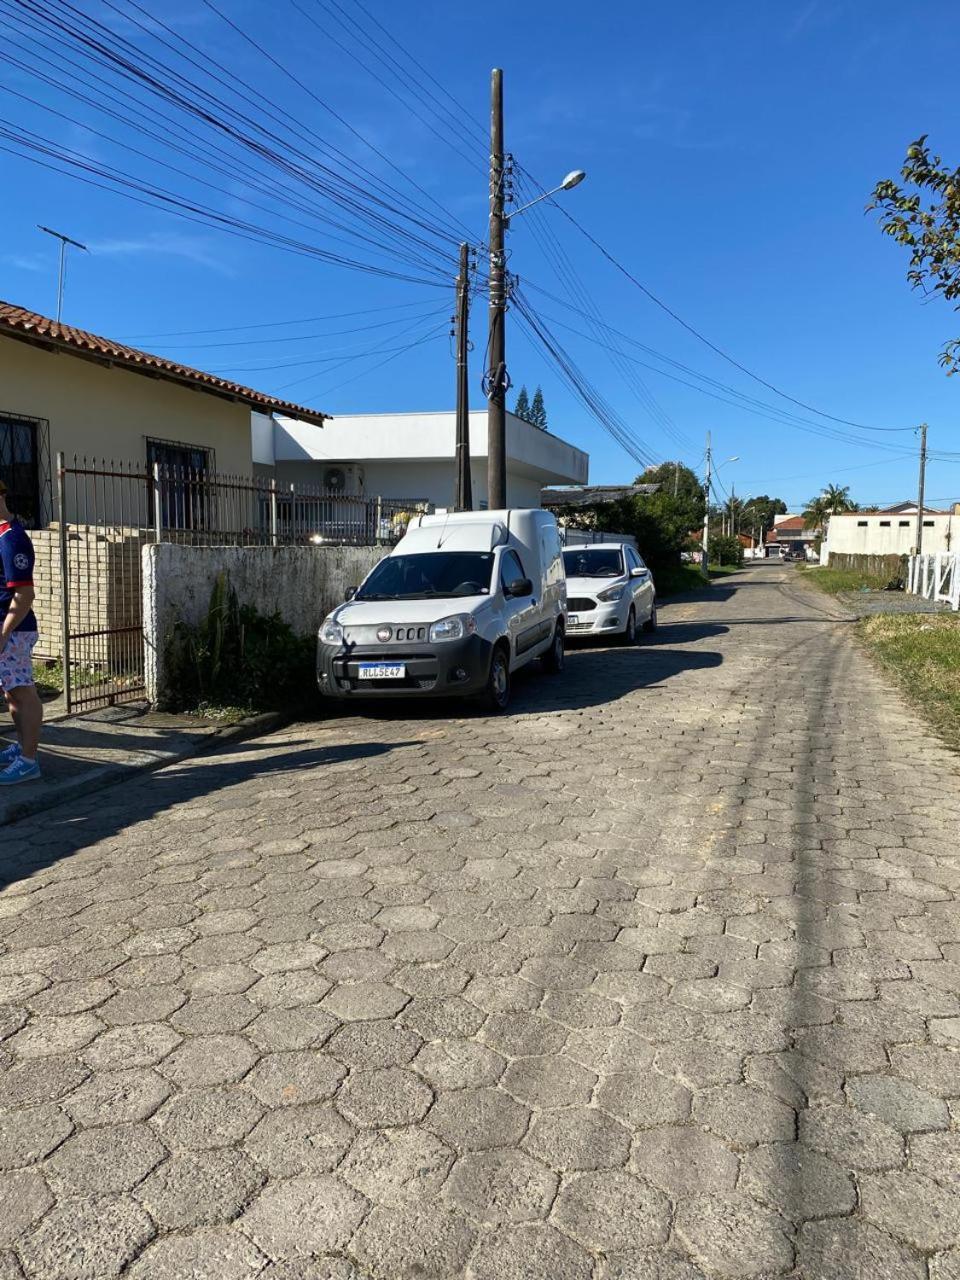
x=837, y=499
x=815, y=513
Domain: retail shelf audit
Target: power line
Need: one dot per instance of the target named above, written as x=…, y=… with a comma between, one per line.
x=270, y=324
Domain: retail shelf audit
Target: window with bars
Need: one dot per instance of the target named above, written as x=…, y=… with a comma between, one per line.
x=184, y=469
x=23, y=443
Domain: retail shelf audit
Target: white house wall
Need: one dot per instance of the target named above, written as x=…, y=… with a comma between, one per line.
x=884, y=535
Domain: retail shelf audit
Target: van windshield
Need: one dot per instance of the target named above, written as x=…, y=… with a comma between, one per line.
x=593, y=562
x=434, y=573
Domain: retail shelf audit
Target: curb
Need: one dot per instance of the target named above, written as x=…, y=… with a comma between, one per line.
x=109, y=774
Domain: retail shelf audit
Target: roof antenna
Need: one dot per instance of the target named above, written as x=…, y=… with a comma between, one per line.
x=64, y=241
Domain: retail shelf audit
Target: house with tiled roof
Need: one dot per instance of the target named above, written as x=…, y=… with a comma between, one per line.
x=63, y=389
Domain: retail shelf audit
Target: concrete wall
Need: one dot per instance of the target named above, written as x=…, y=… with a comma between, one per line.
x=889, y=534
x=430, y=481
x=301, y=583
x=109, y=413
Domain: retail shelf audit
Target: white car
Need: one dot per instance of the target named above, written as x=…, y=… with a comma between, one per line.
x=610, y=591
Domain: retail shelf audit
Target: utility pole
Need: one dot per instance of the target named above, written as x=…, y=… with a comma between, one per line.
x=496, y=375
x=923, y=476
x=676, y=478
x=64, y=241
x=706, y=513
x=463, y=492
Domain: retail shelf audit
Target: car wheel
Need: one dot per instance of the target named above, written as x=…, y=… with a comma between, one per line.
x=651, y=622
x=554, y=659
x=496, y=696
x=629, y=634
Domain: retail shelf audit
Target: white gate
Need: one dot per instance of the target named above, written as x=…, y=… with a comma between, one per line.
x=936, y=577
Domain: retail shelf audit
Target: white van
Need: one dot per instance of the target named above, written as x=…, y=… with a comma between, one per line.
x=461, y=602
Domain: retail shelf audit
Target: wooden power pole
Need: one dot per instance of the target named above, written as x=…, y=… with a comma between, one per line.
x=920, y=487
x=496, y=375
x=463, y=492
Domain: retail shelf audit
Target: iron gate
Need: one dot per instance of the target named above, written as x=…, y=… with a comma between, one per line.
x=109, y=511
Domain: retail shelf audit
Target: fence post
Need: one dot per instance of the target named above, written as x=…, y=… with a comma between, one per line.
x=273, y=511
x=157, y=513
x=378, y=516
x=64, y=584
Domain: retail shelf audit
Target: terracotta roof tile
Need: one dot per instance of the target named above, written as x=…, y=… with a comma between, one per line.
x=17, y=322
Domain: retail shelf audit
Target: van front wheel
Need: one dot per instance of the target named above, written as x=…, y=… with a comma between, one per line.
x=496, y=696
x=554, y=658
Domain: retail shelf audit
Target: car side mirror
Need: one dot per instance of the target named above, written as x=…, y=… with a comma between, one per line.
x=519, y=588
x=637, y=572
x=350, y=593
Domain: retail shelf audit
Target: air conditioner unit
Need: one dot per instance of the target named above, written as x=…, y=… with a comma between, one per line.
x=342, y=478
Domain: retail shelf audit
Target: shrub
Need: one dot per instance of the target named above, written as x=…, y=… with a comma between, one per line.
x=725, y=550
x=237, y=656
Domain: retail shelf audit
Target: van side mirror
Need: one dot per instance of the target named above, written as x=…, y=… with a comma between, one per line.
x=637, y=572
x=519, y=587
x=350, y=593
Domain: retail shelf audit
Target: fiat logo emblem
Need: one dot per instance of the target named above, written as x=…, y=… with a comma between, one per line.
x=384, y=634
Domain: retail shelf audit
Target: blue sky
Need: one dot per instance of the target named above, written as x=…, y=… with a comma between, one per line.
x=730, y=149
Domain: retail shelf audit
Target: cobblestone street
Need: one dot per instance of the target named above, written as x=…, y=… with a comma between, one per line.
x=655, y=978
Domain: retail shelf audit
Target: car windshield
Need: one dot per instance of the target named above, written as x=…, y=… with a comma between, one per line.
x=435, y=573
x=593, y=562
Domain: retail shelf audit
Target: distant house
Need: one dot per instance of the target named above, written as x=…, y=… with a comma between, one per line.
x=788, y=534
x=890, y=532
x=411, y=455
x=63, y=389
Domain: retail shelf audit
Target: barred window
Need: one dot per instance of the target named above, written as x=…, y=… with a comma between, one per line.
x=23, y=466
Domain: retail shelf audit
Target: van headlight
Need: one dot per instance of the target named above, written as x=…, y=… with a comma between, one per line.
x=612, y=593
x=455, y=628
x=331, y=632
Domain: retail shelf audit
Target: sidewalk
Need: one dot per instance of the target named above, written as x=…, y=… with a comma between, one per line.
x=81, y=754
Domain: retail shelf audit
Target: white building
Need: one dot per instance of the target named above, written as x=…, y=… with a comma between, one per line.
x=892, y=532
x=411, y=455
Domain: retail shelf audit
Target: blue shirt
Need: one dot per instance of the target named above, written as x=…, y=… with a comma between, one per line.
x=16, y=561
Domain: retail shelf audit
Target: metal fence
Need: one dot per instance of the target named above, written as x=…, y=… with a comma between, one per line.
x=108, y=511
x=936, y=577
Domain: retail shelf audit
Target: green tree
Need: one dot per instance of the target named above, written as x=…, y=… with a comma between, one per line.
x=538, y=412
x=759, y=512
x=924, y=216
x=837, y=499
x=522, y=407
x=675, y=478
x=816, y=513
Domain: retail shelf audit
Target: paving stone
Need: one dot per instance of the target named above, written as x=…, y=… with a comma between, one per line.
x=142, y=1045
x=459, y=1064
x=289, y=990
x=208, y=1060
x=528, y=1253
x=303, y=1216
x=197, y=1189
x=100, y=1161
x=852, y=1139
x=374, y=1044
x=734, y=1236
x=217, y=1253
x=523, y=1034
x=849, y=1249
x=913, y=1208
x=898, y=1103
x=117, y=1097
x=397, y=1167
x=213, y=1014
x=938, y=1156
x=88, y=1239
x=141, y=1004
x=644, y=1100
x=577, y=1138
x=945, y=1266
x=292, y=1140
x=291, y=1079
x=360, y=1001
x=648, y=1264
x=497, y=1187
x=549, y=1081
x=612, y=1210
x=427, y=1242
x=381, y=1098
x=478, y=1119
x=43, y=1037
x=744, y=1116
x=28, y=1135
x=797, y=1181
x=699, y=1065
x=301, y=1028
x=24, y=1198
x=683, y=1160
x=198, y=1119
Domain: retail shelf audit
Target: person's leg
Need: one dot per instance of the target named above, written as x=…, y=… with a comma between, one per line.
x=27, y=711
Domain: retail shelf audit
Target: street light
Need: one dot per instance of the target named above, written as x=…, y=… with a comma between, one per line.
x=573, y=179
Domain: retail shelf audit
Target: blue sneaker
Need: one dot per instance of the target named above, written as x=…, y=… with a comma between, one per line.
x=9, y=754
x=19, y=770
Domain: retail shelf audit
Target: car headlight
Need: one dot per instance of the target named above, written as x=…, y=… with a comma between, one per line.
x=455, y=628
x=611, y=593
x=331, y=632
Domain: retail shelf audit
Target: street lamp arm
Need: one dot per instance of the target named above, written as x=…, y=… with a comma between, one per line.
x=571, y=180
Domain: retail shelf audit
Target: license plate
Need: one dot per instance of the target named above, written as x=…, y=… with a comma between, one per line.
x=381, y=671
x=573, y=620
